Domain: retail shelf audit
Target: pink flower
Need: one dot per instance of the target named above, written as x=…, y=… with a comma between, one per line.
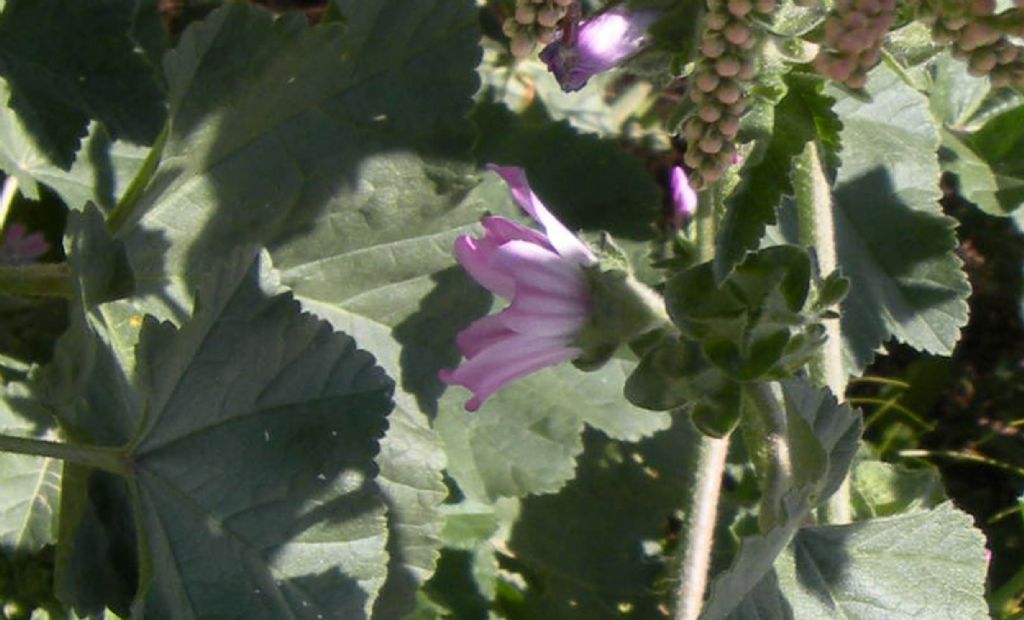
x=542, y=274
x=684, y=199
x=19, y=248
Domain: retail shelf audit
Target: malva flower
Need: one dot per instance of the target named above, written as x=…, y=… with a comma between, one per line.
x=597, y=44
x=684, y=199
x=542, y=275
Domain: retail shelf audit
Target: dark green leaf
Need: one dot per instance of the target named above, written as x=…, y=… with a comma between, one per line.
x=581, y=566
x=86, y=67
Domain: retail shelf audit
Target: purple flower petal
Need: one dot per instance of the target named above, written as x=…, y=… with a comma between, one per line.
x=482, y=333
x=475, y=256
x=684, y=199
x=504, y=362
x=539, y=268
x=539, y=314
x=564, y=242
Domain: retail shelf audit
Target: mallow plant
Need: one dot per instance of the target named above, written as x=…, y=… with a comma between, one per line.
x=507, y=309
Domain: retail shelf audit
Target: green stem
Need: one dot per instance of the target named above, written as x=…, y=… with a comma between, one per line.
x=698, y=530
x=107, y=459
x=817, y=230
x=121, y=212
x=962, y=456
x=39, y=280
x=7, y=195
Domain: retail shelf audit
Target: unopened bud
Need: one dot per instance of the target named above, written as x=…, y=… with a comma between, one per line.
x=525, y=14
x=522, y=44
x=737, y=33
x=548, y=17
x=729, y=93
x=727, y=66
x=707, y=81
x=982, y=61
x=709, y=113
x=739, y=8
x=712, y=47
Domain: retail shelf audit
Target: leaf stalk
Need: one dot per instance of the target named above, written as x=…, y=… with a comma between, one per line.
x=108, y=459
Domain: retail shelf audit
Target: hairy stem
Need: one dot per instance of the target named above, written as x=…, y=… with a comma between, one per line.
x=108, y=459
x=817, y=230
x=698, y=531
x=41, y=280
x=699, y=528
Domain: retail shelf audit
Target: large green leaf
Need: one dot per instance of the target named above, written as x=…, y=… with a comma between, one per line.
x=251, y=432
x=593, y=550
x=31, y=485
x=893, y=242
x=271, y=118
x=86, y=67
x=822, y=437
x=927, y=564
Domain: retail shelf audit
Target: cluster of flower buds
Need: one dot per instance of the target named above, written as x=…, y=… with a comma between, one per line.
x=718, y=87
x=535, y=22
x=854, y=32
x=976, y=35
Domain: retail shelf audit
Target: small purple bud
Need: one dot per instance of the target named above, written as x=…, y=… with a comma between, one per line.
x=599, y=43
x=684, y=199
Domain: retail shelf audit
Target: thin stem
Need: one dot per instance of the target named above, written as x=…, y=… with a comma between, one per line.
x=881, y=381
x=7, y=195
x=38, y=280
x=108, y=459
x=886, y=405
x=698, y=531
x=961, y=456
x=817, y=230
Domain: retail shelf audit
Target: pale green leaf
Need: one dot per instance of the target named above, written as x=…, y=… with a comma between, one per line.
x=893, y=242
x=927, y=564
